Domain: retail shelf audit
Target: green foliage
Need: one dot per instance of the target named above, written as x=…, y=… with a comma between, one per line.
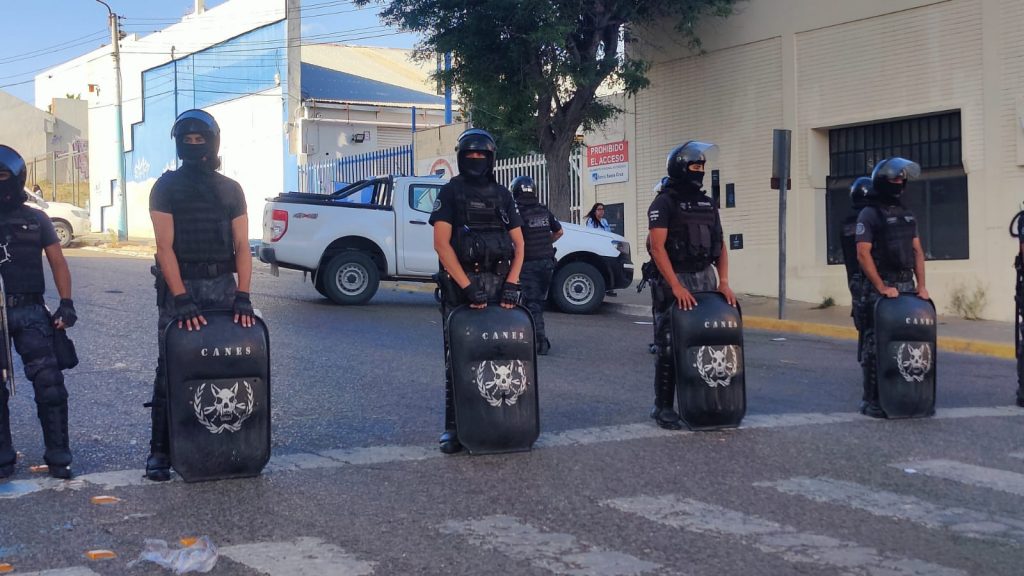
x=828, y=302
x=529, y=70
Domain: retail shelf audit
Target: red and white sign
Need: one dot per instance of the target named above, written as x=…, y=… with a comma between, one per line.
x=608, y=163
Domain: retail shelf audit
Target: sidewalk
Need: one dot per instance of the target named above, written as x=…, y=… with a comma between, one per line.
x=985, y=337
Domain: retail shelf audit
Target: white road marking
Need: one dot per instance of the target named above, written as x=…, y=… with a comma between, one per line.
x=552, y=551
x=392, y=454
x=302, y=557
x=970, y=523
x=777, y=539
x=76, y=571
x=979, y=476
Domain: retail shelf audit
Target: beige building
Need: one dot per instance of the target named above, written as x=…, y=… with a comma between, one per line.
x=940, y=82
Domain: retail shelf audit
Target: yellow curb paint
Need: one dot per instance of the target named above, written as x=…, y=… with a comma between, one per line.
x=6, y=568
x=959, y=345
x=39, y=468
x=100, y=554
x=188, y=541
x=104, y=499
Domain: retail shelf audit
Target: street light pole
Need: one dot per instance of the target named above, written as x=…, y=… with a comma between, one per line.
x=115, y=38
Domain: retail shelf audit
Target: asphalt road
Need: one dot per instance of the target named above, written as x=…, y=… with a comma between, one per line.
x=356, y=486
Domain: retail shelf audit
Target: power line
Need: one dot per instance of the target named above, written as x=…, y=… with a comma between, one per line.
x=56, y=47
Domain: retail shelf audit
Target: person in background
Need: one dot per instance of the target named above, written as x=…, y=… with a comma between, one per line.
x=596, y=219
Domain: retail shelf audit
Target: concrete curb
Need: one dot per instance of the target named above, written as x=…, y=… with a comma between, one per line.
x=946, y=344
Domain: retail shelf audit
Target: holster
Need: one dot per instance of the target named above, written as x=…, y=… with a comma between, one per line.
x=449, y=290
x=64, y=350
x=648, y=274
x=160, y=284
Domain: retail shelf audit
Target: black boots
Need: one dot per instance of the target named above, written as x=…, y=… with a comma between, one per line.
x=664, y=395
x=158, y=465
x=54, y=420
x=869, y=404
x=543, y=346
x=449, y=439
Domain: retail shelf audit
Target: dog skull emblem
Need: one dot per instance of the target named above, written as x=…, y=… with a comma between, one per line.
x=224, y=400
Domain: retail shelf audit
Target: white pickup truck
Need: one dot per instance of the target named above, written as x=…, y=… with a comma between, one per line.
x=377, y=229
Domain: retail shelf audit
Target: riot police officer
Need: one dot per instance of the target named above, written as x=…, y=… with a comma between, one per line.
x=479, y=242
x=1017, y=231
x=540, y=230
x=26, y=234
x=202, y=229
x=687, y=246
x=859, y=192
x=890, y=255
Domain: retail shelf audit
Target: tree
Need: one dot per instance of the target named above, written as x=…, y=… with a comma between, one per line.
x=529, y=70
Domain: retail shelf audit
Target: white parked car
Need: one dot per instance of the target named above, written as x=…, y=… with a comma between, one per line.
x=68, y=220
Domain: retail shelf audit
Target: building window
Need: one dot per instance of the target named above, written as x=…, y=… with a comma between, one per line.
x=938, y=198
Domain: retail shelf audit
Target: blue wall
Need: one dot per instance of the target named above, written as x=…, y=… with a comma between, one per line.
x=247, y=64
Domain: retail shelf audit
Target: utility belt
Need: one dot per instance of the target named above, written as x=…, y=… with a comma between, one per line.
x=15, y=300
x=500, y=267
x=690, y=265
x=897, y=276
x=205, y=270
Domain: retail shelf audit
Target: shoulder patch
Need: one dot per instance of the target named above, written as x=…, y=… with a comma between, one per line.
x=437, y=204
x=860, y=228
x=652, y=215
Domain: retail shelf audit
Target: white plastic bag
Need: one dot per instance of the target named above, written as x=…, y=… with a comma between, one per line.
x=201, y=556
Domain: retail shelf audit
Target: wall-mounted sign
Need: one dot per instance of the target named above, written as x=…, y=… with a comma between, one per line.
x=608, y=163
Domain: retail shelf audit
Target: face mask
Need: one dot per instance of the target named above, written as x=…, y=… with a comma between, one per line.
x=11, y=196
x=694, y=181
x=474, y=167
x=194, y=153
x=890, y=189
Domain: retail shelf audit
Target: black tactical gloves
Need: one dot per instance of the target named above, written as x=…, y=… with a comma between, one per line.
x=511, y=294
x=243, y=306
x=474, y=294
x=66, y=313
x=185, y=308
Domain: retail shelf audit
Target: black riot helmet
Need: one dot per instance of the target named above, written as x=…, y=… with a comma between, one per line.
x=685, y=155
x=476, y=140
x=891, y=169
x=12, y=178
x=197, y=122
x=860, y=192
x=524, y=190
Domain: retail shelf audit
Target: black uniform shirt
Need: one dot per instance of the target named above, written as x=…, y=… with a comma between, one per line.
x=230, y=192
x=869, y=222
x=47, y=235
x=445, y=209
x=665, y=208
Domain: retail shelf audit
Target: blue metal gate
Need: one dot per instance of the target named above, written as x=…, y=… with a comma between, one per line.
x=328, y=176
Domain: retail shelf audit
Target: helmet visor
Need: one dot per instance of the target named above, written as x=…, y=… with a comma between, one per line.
x=697, y=151
x=892, y=168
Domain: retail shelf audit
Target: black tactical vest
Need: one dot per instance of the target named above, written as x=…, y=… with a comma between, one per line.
x=202, y=226
x=482, y=240
x=537, y=231
x=893, y=246
x=22, y=234
x=848, y=242
x=694, y=242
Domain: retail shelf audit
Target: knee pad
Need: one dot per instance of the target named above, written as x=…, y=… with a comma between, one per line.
x=49, y=387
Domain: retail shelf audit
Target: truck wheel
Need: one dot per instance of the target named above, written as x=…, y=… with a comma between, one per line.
x=351, y=278
x=64, y=234
x=577, y=288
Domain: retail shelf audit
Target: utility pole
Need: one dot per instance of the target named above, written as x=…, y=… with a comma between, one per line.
x=115, y=38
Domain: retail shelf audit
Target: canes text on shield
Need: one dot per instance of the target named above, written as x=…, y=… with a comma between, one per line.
x=721, y=324
x=226, y=351
x=504, y=335
x=920, y=321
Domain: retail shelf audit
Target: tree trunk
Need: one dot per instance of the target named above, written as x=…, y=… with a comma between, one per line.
x=557, y=156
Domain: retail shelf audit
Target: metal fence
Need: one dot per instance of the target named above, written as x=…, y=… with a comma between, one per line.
x=535, y=166
x=62, y=176
x=328, y=176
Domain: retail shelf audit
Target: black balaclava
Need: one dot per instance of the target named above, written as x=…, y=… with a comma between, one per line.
x=204, y=155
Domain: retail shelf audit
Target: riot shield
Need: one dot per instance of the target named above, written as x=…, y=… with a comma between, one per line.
x=905, y=352
x=707, y=345
x=218, y=396
x=494, y=372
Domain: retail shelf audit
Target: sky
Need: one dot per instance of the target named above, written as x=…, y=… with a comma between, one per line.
x=44, y=33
